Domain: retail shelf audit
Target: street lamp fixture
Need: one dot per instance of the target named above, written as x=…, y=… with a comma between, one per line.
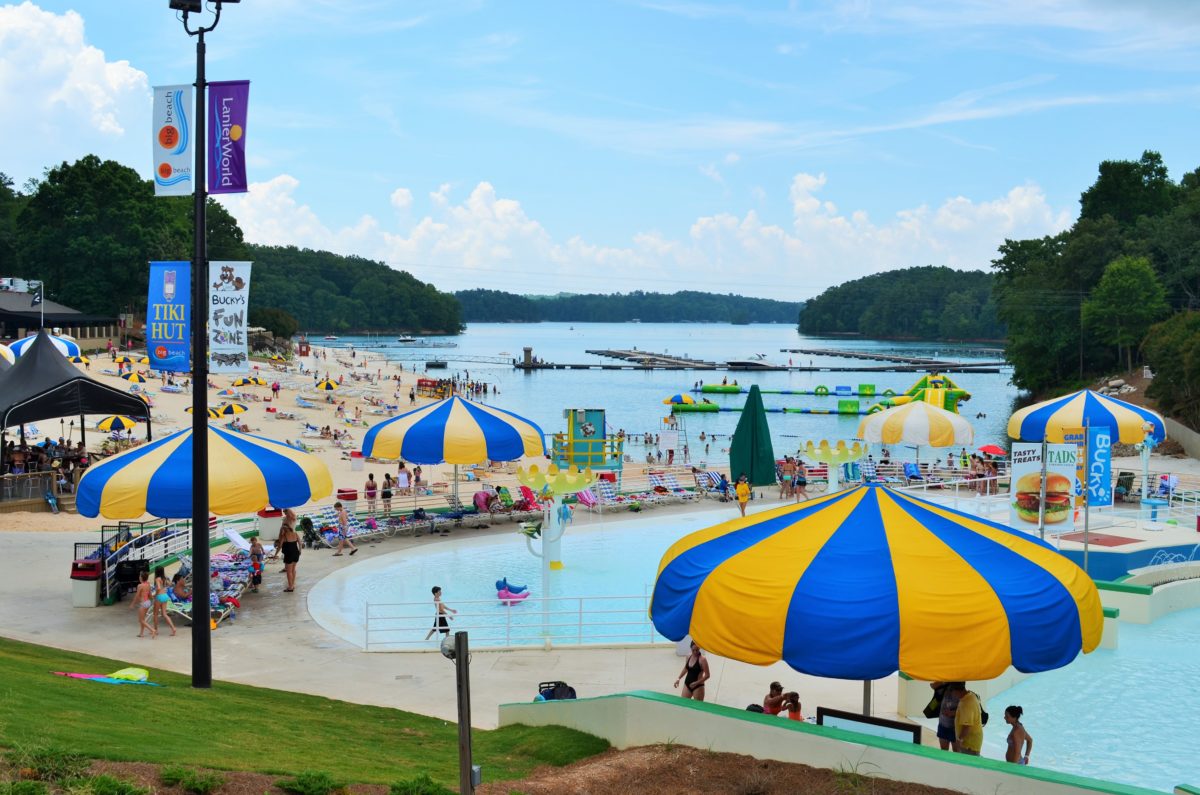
x=201, y=591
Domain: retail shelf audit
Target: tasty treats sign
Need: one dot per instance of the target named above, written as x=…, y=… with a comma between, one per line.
x=1061, y=460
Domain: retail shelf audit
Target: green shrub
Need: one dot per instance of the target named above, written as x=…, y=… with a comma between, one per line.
x=24, y=788
x=190, y=780
x=311, y=783
x=48, y=764
x=110, y=785
x=419, y=785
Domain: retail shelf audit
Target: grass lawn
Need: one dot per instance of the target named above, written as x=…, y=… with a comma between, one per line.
x=238, y=727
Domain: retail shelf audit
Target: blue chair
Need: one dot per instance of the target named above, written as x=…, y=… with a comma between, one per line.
x=912, y=472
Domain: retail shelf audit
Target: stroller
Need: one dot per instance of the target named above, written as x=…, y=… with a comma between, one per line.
x=312, y=539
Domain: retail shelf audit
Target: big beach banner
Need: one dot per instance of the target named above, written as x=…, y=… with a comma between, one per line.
x=168, y=316
x=227, y=107
x=172, y=141
x=228, y=305
x=1026, y=479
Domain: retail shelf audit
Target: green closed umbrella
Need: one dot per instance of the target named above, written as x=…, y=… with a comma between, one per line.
x=751, y=453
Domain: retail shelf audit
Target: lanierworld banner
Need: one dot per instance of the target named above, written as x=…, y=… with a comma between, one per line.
x=227, y=102
x=172, y=144
x=228, y=303
x=168, y=310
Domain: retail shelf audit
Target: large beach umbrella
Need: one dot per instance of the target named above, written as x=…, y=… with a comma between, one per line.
x=679, y=398
x=455, y=431
x=66, y=346
x=117, y=422
x=228, y=393
x=229, y=409
x=869, y=581
x=1048, y=420
x=123, y=359
x=750, y=450
x=917, y=423
x=135, y=377
x=327, y=386
x=213, y=414
x=78, y=359
x=250, y=381
x=245, y=474
x=993, y=450
x=7, y=355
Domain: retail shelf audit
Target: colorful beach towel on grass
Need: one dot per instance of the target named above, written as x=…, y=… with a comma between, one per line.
x=125, y=676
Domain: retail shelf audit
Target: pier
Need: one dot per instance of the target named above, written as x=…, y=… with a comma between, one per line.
x=938, y=364
x=655, y=360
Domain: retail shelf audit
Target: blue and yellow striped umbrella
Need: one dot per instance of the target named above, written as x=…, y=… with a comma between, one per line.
x=245, y=474
x=229, y=409
x=213, y=413
x=117, y=422
x=1049, y=418
x=66, y=346
x=134, y=377
x=328, y=386
x=865, y=582
x=250, y=381
x=455, y=431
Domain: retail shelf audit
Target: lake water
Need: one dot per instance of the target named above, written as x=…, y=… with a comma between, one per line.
x=633, y=398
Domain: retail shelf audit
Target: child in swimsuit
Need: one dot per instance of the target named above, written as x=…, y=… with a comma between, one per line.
x=161, y=598
x=1017, y=737
x=440, y=609
x=143, y=604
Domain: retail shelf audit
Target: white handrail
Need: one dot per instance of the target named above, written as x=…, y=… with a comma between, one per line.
x=534, y=621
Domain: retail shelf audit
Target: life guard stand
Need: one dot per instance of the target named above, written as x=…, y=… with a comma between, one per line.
x=586, y=444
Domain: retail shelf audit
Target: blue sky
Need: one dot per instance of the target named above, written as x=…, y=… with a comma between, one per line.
x=769, y=148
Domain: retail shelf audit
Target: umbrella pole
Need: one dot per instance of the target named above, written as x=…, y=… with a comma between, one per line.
x=1087, y=502
x=1042, y=495
x=867, y=697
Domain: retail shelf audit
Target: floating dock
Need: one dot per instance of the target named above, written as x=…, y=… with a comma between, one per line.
x=654, y=360
x=939, y=364
x=712, y=408
x=864, y=391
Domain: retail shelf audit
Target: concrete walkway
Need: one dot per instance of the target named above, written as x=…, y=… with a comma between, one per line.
x=275, y=643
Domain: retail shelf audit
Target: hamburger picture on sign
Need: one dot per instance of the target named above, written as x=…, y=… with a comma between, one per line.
x=1027, y=500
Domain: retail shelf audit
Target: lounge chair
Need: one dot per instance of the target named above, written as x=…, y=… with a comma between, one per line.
x=239, y=541
x=912, y=474
x=678, y=489
x=587, y=498
x=305, y=404
x=659, y=485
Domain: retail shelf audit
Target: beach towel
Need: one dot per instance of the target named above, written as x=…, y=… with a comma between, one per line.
x=125, y=676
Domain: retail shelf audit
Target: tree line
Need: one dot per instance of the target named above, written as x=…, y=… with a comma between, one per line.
x=87, y=230
x=1119, y=288
x=686, y=306
x=934, y=303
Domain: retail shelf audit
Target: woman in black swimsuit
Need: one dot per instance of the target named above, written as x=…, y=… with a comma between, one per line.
x=289, y=544
x=694, y=674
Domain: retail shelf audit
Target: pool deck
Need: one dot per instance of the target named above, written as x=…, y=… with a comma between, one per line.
x=276, y=643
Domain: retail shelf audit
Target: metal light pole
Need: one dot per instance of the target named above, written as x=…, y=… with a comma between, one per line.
x=462, y=675
x=201, y=632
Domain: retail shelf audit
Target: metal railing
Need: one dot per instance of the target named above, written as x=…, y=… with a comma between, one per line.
x=534, y=621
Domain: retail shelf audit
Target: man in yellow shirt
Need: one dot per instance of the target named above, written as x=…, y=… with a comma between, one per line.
x=968, y=720
x=743, y=493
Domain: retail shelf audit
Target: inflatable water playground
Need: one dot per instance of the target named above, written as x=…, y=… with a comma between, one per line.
x=935, y=389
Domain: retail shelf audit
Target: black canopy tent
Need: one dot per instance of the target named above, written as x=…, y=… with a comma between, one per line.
x=43, y=385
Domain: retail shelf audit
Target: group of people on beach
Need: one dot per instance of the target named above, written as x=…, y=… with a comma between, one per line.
x=152, y=597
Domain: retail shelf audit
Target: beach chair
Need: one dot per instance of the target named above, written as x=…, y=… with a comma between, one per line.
x=239, y=541
x=517, y=510
x=305, y=404
x=531, y=497
x=677, y=488
x=912, y=474
x=817, y=477
x=607, y=493
x=659, y=486
x=587, y=498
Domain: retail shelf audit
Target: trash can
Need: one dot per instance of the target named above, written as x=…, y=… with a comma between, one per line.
x=269, y=522
x=348, y=498
x=85, y=582
x=356, y=461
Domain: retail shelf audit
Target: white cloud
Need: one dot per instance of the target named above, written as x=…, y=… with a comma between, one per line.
x=60, y=97
x=402, y=199
x=487, y=240
x=710, y=170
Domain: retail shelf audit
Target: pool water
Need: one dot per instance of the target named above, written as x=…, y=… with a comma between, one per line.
x=617, y=557
x=1126, y=715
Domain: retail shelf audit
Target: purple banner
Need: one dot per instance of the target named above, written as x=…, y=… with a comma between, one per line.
x=227, y=102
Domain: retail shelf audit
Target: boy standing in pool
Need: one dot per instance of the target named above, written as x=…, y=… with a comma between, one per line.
x=440, y=609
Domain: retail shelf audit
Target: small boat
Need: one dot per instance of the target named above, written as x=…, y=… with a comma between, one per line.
x=753, y=364
x=435, y=364
x=330, y=337
x=406, y=339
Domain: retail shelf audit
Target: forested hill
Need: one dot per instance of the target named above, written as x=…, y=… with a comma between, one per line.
x=330, y=292
x=88, y=228
x=493, y=306
x=934, y=303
